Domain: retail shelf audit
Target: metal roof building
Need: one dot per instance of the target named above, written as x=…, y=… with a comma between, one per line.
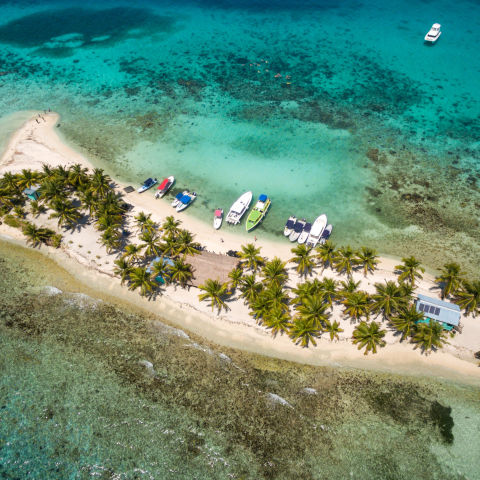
x=439, y=310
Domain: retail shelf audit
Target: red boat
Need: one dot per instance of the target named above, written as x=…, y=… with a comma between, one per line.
x=165, y=186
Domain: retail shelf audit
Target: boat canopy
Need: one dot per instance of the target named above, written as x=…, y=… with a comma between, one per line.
x=262, y=197
x=148, y=181
x=298, y=227
x=163, y=184
x=290, y=223
x=307, y=227
x=218, y=213
x=185, y=199
x=179, y=196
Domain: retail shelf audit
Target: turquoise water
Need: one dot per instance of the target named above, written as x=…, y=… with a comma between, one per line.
x=190, y=90
x=89, y=389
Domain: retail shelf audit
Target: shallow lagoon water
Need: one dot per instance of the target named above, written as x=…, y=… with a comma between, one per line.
x=194, y=91
x=89, y=388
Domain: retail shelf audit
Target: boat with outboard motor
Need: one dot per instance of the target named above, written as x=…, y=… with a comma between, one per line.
x=297, y=230
x=316, y=231
x=217, y=218
x=186, y=201
x=239, y=208
x=258, y=212
x=148, y=183
x=305, y=233
x=177, y=198
x=165, y=186
x=433, y=34
x=289, y=225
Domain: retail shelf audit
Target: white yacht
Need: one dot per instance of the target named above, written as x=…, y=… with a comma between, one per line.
x=433, y=34
x=238, y=209
x=297, y=230
x=316, y=232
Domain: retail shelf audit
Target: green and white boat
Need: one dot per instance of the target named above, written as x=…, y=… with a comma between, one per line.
x=258, y=212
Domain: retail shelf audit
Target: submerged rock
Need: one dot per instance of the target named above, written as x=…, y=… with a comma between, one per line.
x=275, y=399
x=309, y=391
x=49, y=290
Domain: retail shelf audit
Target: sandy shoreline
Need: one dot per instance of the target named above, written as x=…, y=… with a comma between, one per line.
x=37, y=143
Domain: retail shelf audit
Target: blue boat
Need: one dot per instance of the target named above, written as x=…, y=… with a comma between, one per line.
x=186, y=201
x=148, y=183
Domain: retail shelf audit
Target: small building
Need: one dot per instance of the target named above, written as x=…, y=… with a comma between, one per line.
x=33, y=192
x=446, y=313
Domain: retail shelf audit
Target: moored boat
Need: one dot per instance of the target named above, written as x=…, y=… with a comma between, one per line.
x=177, y=198
x=326, y=233
x=239, y=208
x=186, y=201
x=217, y=218
x=258, y=212
x=305, y=233
x=165, y=186
x=289, y=225
x=433, y=34
x=316, y=231
x=148, y=183
x=297, y=230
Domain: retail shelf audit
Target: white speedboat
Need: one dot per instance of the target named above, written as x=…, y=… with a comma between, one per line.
x=305, y=233
x=186, y=201
x=217, y=218
x=177, y=198
x=239, y=208
x=148, y=183
x=165, y=186
x=289, y=225
x=433, y=34
x=326, y=233
x=297, y=230
x=316, y=232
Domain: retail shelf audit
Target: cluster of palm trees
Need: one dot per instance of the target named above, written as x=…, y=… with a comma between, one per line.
x=169, y=243
x=303, y=312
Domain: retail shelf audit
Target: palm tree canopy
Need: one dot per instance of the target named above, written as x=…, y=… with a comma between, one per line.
x=333, y=329
x=357, y=304
x=235, y=277
x=369, y=336
x=344, y=260
x=215, y=292
x=388, y=298
x=367, y=258
x=429, y=336
x=274, y=272
x=303, y=259
x=250, y=256
x=181, y=272
x=410, y=270
x=304, y=332
x=278, y=321
x=140, y=278
x=405, y=321
x=468, y=296
x=326, y=253
x=250, y=288
x=313, y=309
x=450, y=279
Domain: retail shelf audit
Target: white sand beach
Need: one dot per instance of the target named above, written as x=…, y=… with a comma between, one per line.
x=37, y=143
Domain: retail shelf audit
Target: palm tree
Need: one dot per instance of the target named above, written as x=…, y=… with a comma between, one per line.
x=348, y=286
x=410, y=270
x=111, y=238
x=429, y=336
x=326, y=254
x=276, y=297
x=328, y=290
x=450, y=279
x=367, y=258
x=37, y=208
x=389, y=298
x=407, y=290
x=77, y=175
x=34, y=235
x=369, y=335
x=52, y=191
x=215, y=292
x=140, y=278
x=304, y=332
x=100, y=182
x=260, y=307
x=107, y=220
x=333, y=329
x=10, y=182
x=132, y=252
x=250, y=256
x=6, y=197
x=123, y=268
x=161, y=269
x=357, y=304
x=19, y=211
x=141, y=219
x=150, y=243
x=235, y=277
x=169, y=246
x=405, y=321
x=313, y=309
x=274, y=272
x=181, y=272
x=303, y=259
x=468, y=296
x=278, y=321
x=344, y=260
x=305, y=289
x=170, y=226
x=65, y=212
x=185, y=243
x=250, y=288
x=27, y=179
x=88, y=201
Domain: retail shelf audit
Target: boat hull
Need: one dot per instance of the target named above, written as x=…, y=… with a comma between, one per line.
x=254, y=223
x=183, y=206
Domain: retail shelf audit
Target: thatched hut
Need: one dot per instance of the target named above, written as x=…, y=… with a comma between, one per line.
x=211, y=265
